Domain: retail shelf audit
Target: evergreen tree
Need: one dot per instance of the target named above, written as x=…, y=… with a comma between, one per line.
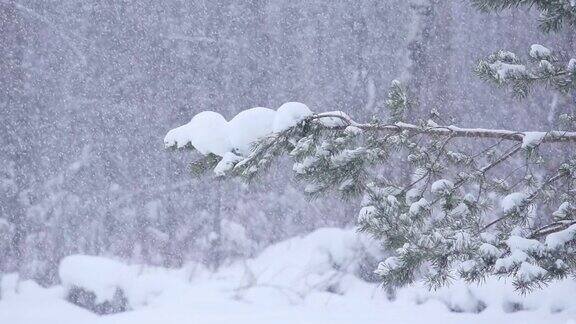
x=476, y=203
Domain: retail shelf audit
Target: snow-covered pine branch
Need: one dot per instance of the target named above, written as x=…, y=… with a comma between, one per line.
x=553, y=14
x=442, y=222
x=528, y=138
x=441, y=217
x=505, y=68
x=208, y=132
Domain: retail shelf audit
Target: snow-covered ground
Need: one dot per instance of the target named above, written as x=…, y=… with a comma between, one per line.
x=311, y=279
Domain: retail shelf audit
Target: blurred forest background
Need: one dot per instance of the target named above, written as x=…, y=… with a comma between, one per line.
x=89, y=88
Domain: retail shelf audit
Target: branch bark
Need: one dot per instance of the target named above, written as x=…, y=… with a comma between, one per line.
x=551, y=228
x=453, y=131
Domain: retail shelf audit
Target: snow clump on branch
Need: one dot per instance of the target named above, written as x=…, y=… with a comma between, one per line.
x=209, y=132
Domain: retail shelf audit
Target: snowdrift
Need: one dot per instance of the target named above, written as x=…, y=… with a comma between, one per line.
x=318, y=278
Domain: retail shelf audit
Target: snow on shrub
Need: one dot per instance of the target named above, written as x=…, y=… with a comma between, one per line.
x=322, y=266
x=109, y=286
x=494, y=295
x=327, y=260
x=95, y=283
x=88, y=300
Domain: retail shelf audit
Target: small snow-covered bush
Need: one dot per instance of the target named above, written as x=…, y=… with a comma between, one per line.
x=330, y=260
x=89, y=300
x=106, y=286
x=95, y=283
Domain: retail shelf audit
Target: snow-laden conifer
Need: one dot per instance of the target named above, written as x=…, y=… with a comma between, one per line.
x=480, y=202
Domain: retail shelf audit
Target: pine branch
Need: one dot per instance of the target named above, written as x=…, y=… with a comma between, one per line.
x=529, y=199
x=554, y=14
x=551, y=228
x=450, y=131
